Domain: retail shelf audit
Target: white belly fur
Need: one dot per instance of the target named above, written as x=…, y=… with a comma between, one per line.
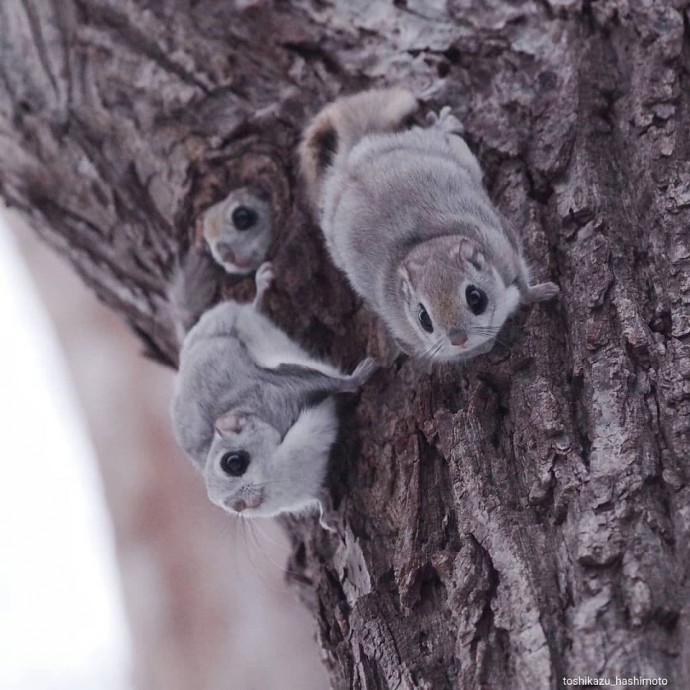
x=270, y=347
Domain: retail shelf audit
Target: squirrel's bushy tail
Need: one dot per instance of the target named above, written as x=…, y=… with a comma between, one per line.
x=192, y=291
x=341, y=124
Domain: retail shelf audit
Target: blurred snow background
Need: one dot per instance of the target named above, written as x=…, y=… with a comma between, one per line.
x=61, y=622
x=116, y=572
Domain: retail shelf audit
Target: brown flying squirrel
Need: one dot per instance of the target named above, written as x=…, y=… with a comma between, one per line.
x=406, y=217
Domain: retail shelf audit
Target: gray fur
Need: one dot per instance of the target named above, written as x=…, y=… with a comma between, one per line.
x=406, y=217
x=239, y=252
x=236, y=365
x=192, y=290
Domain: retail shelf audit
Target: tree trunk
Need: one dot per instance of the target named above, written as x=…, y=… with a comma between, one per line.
x=505, y=524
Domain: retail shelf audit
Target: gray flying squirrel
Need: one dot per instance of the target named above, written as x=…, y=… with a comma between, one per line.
x=239, y=231
x=252, y=409
x=406, y=217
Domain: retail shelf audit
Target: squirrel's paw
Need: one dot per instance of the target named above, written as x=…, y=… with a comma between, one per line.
x=263, y=281
x=446, y=121
x=364, y=370
x=264, y=277
x=542, y=292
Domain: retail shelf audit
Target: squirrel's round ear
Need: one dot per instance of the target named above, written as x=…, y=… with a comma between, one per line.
x=231, y=422
x=405, y=280
x=468, y=250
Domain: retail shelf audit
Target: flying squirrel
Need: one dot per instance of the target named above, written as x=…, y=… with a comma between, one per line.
x=253, y=410
x=406, y=217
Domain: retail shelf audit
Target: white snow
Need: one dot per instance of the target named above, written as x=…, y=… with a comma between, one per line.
x=62, y=624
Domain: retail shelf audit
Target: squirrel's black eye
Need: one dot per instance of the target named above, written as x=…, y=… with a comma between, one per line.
x=235, y=463
x=244, y=217
x=425, y=320
x=476, y=299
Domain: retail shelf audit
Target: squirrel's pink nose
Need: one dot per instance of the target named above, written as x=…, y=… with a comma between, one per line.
x=457, y=337
x=230, y=256
x=242, y=504
x=227, y=254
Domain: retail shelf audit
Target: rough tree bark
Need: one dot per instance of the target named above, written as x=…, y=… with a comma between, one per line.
x=505, y=524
